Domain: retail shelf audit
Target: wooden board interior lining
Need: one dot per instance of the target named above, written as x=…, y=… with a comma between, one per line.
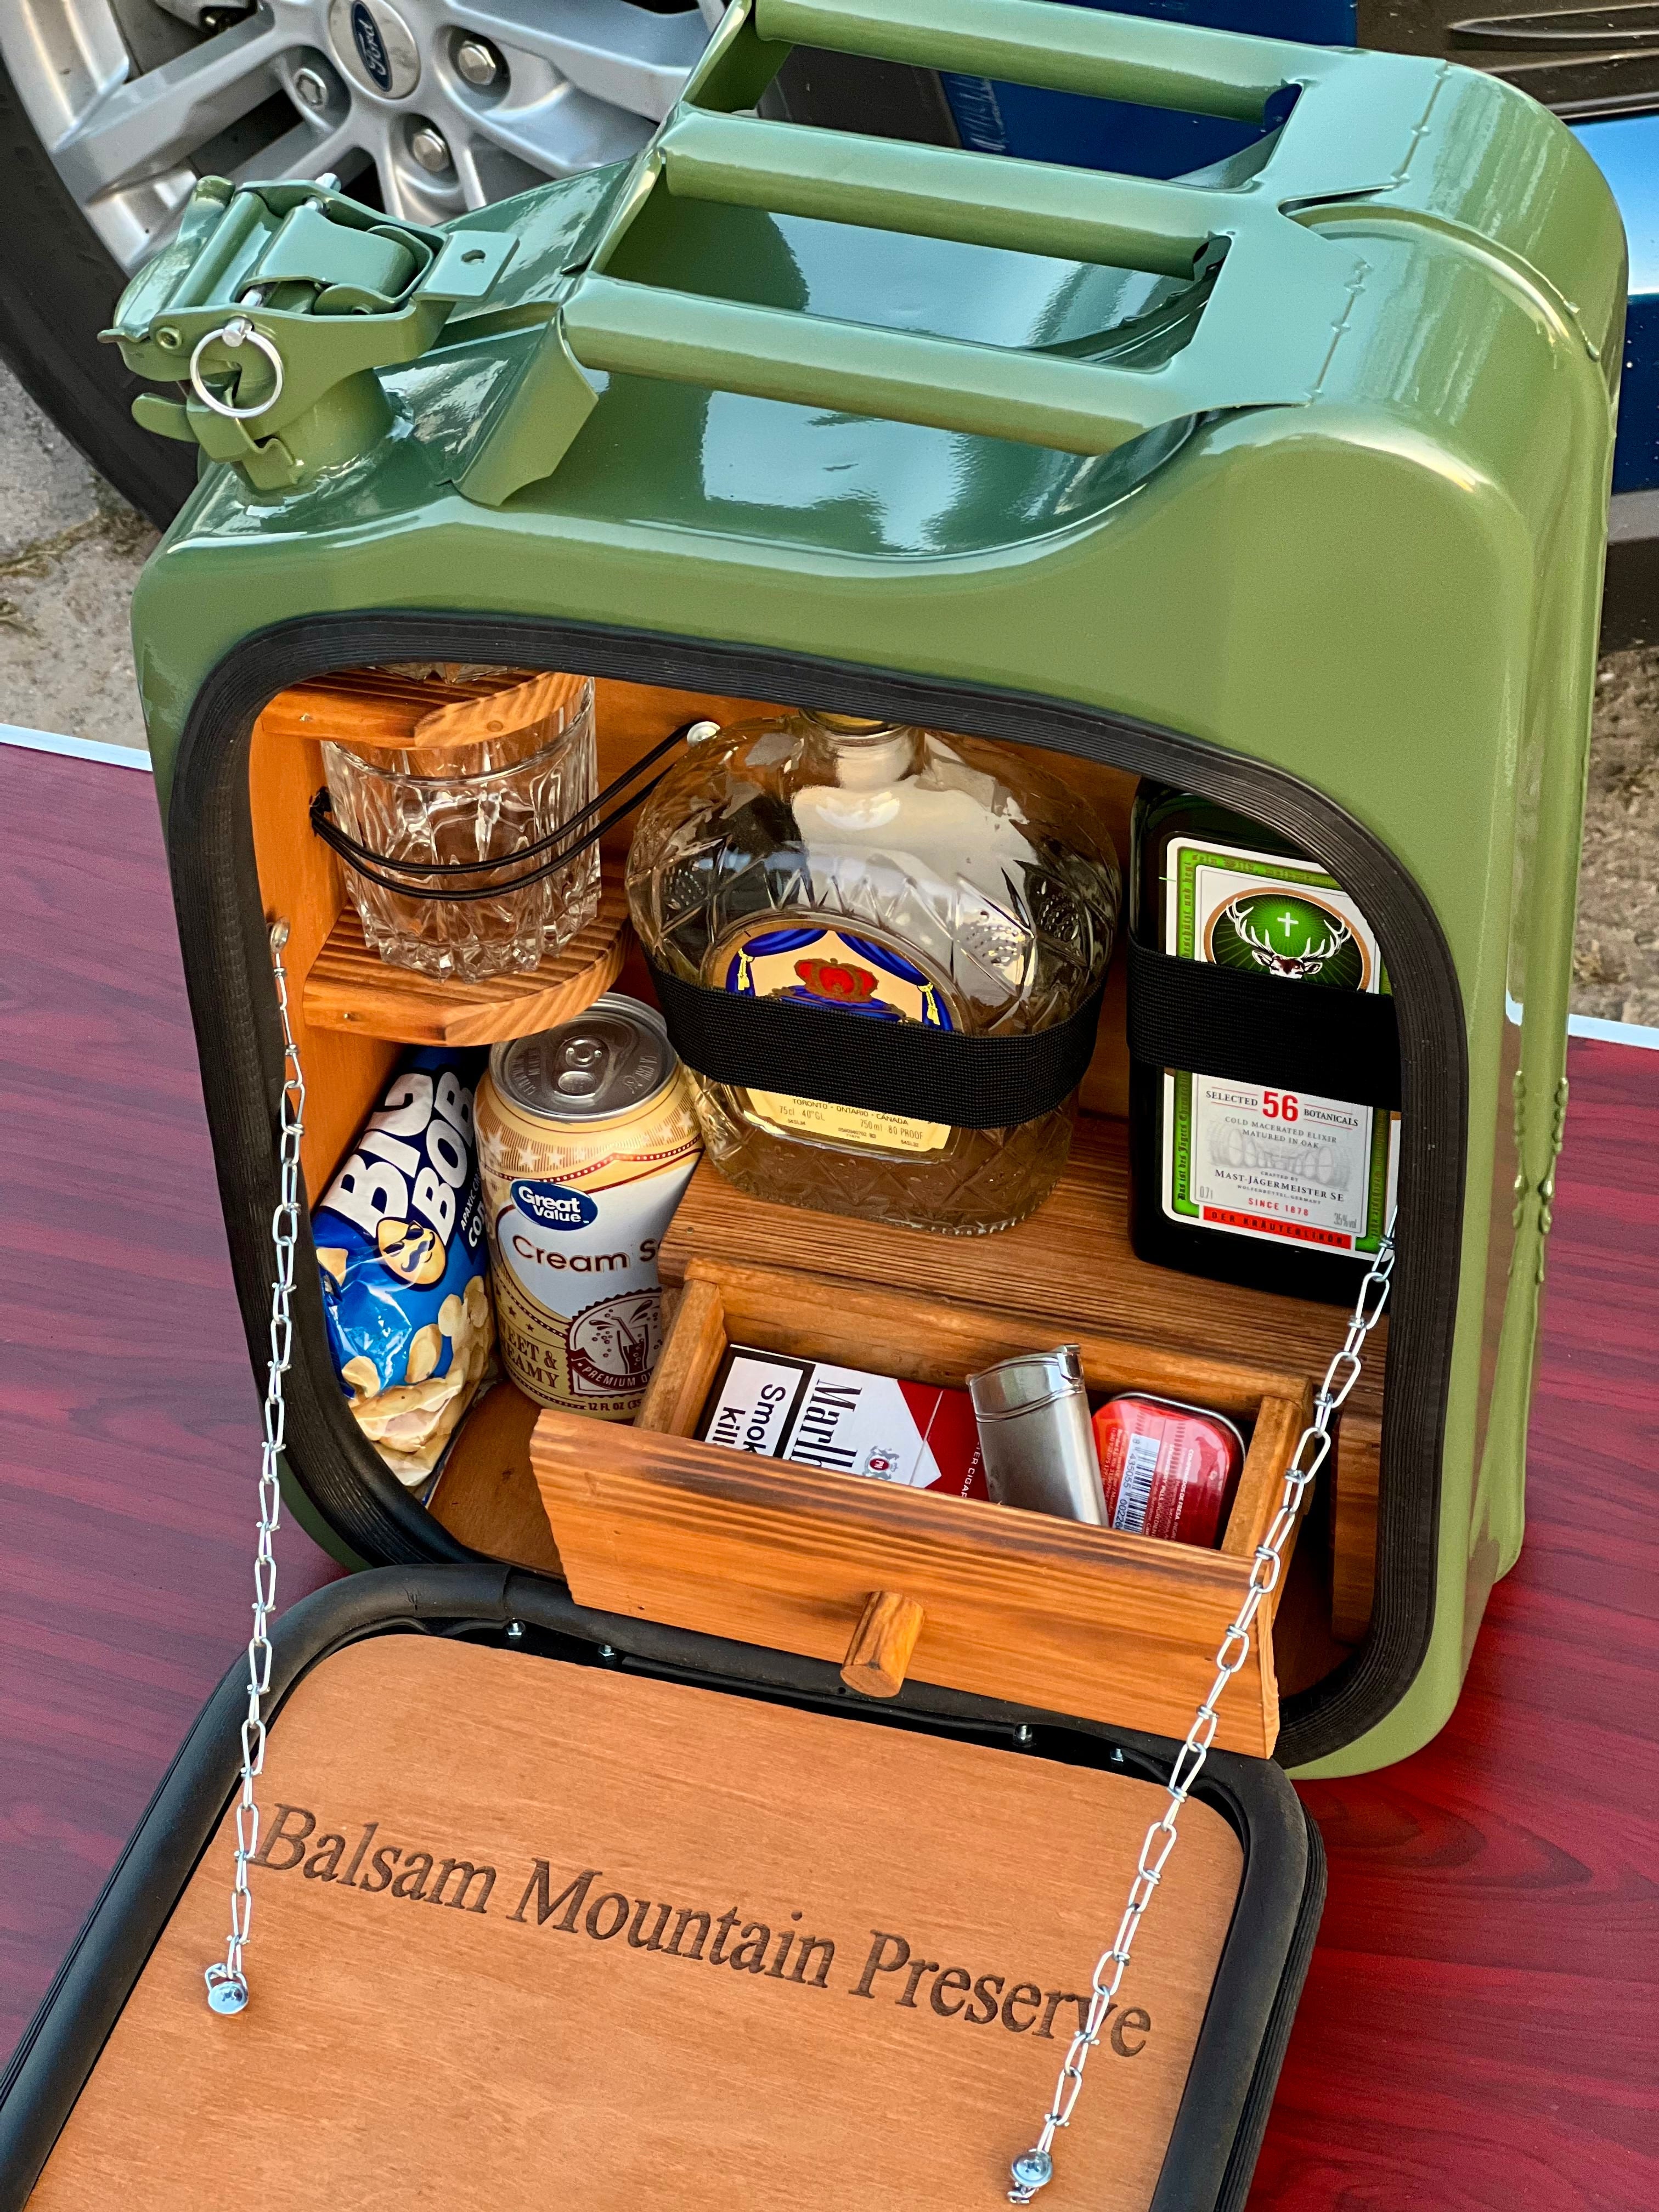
x=1100, y=1284
x=401, y=2051
x=1071, y=1262
x=1354, y=1526
x=301, y=879
x=486, y=1495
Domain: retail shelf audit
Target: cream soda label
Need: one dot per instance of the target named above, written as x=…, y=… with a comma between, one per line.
x=1251, y=1160
x=576, y=1271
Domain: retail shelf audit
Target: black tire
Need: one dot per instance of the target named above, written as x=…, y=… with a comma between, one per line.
x=58, y=287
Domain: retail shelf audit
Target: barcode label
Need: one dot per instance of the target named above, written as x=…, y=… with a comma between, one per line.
x=1135, y=1491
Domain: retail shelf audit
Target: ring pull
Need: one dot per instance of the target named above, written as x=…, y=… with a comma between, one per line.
x=238, y=332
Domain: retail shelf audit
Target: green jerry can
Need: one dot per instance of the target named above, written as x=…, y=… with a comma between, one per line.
x=1252, y=523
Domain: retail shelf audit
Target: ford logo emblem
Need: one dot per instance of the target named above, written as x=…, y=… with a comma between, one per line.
x=366, y=34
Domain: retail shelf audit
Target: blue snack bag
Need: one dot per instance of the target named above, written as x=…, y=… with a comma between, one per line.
x=400, y=1248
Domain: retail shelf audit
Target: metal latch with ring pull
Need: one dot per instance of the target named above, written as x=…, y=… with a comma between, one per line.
x=238, y=331
x=272, y=308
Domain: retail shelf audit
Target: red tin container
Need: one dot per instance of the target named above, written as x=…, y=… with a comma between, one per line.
x=1167, y=1469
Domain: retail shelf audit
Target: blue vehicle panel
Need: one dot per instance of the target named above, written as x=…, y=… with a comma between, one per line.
x=1111, y=134
x=1625, y=148
x=1099, y=134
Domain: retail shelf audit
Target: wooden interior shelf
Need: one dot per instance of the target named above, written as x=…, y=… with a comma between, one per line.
x=1071, y=1265
x=350, y=987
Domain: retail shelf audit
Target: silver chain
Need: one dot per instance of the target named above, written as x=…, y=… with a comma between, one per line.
x=1034, y=2168
x=226, y=1978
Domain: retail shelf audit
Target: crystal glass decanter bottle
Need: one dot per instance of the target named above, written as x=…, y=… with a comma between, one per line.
x=898, y=874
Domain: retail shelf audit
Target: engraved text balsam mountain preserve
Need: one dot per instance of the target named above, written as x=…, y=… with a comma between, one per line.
x=880, y=1964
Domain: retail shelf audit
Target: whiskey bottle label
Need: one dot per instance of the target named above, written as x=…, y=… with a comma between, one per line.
x=816, y=964
x=1243, y=1159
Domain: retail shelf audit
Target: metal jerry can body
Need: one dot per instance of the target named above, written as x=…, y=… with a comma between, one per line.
x=1286, y=484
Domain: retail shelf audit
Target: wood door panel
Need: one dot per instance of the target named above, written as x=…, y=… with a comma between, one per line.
x=523, y=2047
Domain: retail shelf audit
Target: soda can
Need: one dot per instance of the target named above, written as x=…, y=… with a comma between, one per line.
x=1167, y=1469
x=586, y=1140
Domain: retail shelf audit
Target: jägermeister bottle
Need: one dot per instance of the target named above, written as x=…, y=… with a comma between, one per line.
x=1251, y=1183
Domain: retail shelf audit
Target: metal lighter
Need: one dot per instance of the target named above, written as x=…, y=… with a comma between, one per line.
x=1033, y=1415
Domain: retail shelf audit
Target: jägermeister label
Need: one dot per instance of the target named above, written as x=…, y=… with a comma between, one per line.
x=1254, y=1161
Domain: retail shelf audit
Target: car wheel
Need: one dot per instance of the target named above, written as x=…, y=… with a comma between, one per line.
x=111, y=109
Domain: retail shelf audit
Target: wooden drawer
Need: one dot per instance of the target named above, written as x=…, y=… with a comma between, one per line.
x=650, y=1522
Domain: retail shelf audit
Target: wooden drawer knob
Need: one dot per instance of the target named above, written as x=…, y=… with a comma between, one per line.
x=882, y=1645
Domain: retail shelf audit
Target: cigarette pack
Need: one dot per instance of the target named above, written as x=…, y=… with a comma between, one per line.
x=845, y=1421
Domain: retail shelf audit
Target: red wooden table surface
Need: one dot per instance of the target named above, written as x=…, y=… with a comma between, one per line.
x=1480, y=2029
x=1478, y=2032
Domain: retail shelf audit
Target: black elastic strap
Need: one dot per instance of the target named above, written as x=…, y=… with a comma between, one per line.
x=889, y=1068
x=1233, y=1022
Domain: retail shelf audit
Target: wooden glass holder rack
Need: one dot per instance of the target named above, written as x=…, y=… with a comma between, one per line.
x=348, y=985
x=882, y=1579
x=352, y=1011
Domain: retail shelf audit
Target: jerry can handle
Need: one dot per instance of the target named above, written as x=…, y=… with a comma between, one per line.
x=903, y=376
x=1230, y=243
x=707, y=153
x=1142, y=59
x=1153, y=223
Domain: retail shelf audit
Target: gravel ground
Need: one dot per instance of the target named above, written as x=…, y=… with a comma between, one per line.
x=70, y=548
x=1615, y=963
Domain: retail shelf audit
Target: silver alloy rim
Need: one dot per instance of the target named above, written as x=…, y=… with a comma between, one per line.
x=133, y=100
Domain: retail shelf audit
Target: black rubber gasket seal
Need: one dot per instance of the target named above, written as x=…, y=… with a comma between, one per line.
x=1250, y=1028
x=1224, y=2108
x=887, y=1067
x=223, y=932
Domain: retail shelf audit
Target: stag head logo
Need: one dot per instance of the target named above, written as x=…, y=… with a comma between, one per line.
x=1293, y=939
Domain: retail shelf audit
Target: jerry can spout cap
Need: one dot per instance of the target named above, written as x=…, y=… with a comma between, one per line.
x=275, y=304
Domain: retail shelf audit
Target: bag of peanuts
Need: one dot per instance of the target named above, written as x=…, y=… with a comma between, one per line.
x=400, y=1245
